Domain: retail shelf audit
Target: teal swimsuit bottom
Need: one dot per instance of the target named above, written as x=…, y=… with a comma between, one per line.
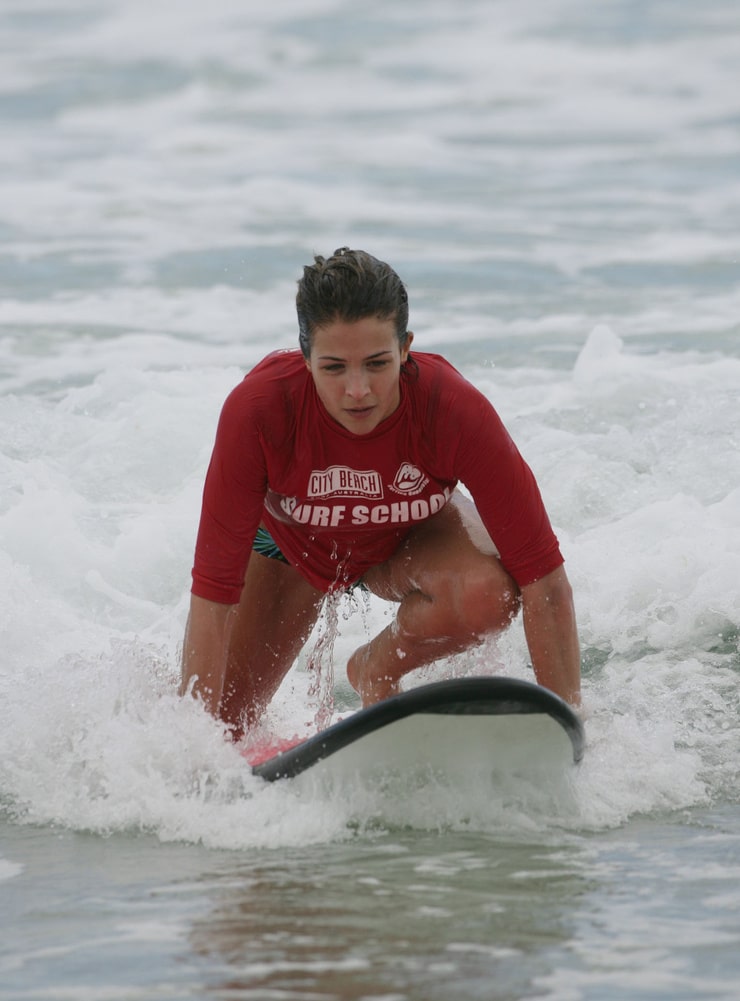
x=265, y=545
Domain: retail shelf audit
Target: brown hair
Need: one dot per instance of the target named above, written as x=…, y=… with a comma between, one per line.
x=349, y=285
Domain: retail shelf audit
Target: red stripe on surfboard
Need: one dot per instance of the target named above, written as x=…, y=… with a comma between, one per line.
x=265, y=749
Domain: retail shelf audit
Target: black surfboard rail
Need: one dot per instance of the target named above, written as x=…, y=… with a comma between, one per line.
x=483, y=696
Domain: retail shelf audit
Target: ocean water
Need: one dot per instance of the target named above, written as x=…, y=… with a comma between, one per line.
x=558, y=183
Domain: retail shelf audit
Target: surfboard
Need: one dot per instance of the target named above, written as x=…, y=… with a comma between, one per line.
x=459, y=724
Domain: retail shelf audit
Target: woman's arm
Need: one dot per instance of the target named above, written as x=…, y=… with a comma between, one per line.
x=204, y=650
x=550, y=628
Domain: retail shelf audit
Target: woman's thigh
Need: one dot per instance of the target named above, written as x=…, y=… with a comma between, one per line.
x=275, y=615
x=453, y=545
x=276, y=612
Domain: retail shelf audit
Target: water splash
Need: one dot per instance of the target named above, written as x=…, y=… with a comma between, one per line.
x=321, y=662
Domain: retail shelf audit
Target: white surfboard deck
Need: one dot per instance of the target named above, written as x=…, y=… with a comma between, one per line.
x=453, y=727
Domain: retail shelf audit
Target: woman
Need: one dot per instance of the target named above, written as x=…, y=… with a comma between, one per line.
x=337, y=464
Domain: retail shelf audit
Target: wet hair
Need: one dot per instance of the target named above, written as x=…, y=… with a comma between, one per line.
x=350, y=285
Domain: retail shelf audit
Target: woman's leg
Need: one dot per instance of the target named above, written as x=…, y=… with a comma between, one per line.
x=452, y=594
x=274, y=618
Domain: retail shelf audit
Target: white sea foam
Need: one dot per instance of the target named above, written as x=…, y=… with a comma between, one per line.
x=9, y=870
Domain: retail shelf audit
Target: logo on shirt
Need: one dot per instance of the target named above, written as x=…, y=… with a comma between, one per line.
x=409, y=479
x=341, y=481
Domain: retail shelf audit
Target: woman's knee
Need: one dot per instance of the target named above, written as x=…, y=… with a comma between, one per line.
x=486, y=599
x=464, y=605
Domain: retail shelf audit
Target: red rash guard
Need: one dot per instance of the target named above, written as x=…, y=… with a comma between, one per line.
x=338, y=503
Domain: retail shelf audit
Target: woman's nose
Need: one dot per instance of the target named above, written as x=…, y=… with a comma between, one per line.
x=356, y=385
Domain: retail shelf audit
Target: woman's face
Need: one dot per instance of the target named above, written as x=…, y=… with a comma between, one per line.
x=356, y=368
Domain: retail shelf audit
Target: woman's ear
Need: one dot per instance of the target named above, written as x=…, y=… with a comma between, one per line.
x=407, y=346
